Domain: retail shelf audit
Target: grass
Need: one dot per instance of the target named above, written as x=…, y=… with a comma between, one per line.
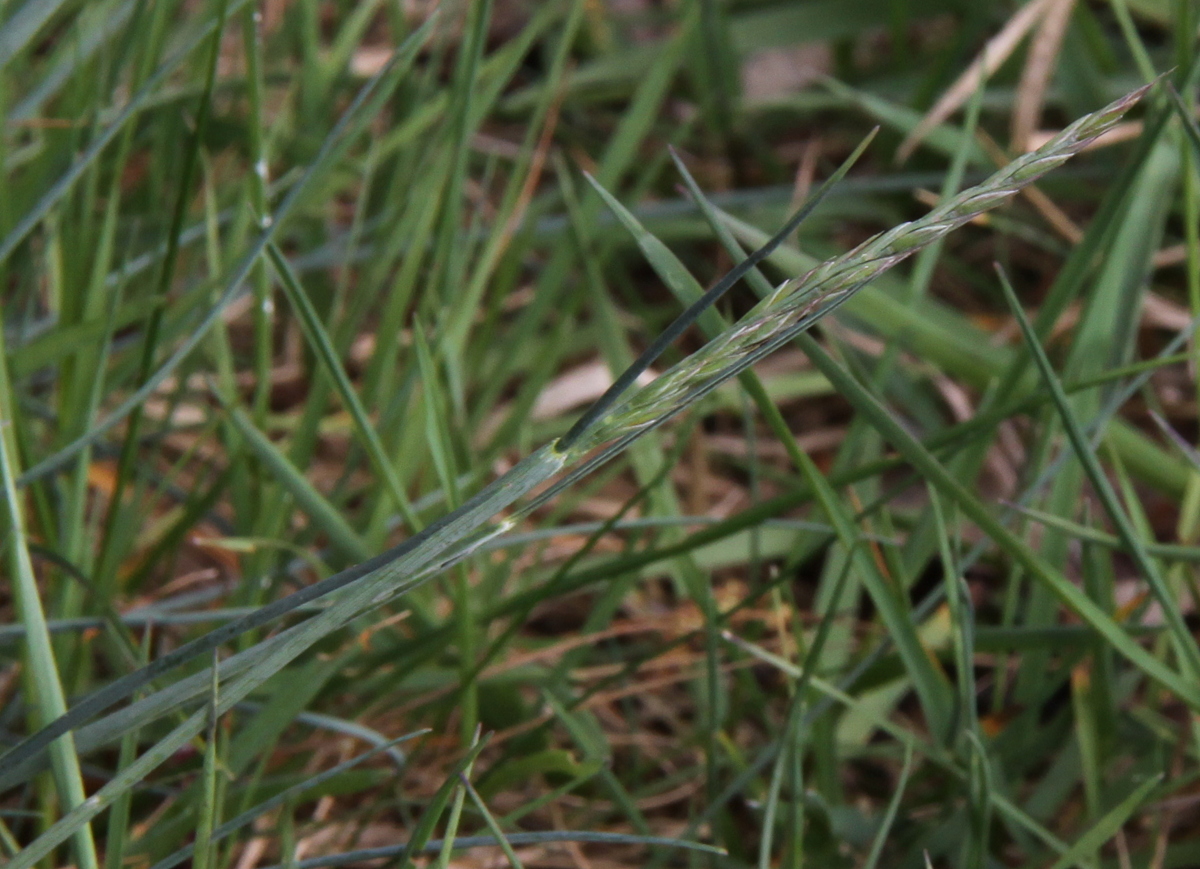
x=551, y=434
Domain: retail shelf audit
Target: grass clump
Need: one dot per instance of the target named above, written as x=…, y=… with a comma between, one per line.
x=367, y=498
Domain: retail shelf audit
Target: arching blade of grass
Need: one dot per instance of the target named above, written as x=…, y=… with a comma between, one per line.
x=492, y=824
x=1167, y=551
x=1189, y=452
x=112, y=22
x=459, y=791
x=23, y=25
x=422, y=837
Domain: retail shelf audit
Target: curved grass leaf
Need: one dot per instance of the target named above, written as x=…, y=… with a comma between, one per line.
x=322, y=344
x=114, y=23
x=312, y=503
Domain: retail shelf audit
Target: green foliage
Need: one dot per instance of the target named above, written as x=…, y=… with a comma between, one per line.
x=303, y=318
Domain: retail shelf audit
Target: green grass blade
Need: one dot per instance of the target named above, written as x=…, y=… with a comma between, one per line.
x=367, y=101
x=43, y=683
x=421, y=839
x=971, y=506
x=1167, y=551
x=287, y=796
x=20, y=28
x=318, y=509
x=685, y=286
x=208, y=809
x=492, y=824
x=1185, y=644
x=67, y=180
x=889, y=816
x=790, y=741
x=321, y=343
x=1104, y=829
x=400, y=568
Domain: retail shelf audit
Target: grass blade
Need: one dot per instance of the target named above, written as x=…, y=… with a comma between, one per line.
x=321, y=343
x=971, y=506
x=323, y=514
x=43, y=683
x=1105, y=828
x=67, y=180
x=1185, y=645
x=368, y=100
x=672, y=271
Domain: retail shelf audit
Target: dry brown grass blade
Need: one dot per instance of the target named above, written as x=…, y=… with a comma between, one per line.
x=998, y=50
x=1039, y=67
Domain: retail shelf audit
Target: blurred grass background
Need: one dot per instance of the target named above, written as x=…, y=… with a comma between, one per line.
x=284, y=282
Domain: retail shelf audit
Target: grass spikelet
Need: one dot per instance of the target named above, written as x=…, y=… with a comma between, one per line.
x=798, y=303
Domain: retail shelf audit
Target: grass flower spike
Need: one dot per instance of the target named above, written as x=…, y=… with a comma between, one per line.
x=798, y=303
